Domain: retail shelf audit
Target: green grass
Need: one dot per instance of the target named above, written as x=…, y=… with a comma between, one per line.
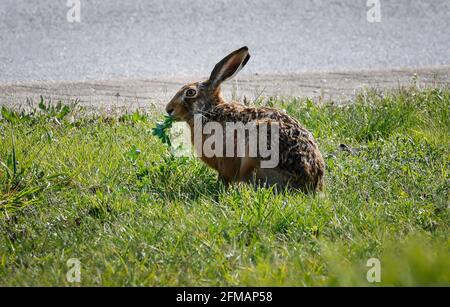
x=108, y=192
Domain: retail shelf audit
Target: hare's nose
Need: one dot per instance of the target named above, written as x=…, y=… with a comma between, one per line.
x=169, y=111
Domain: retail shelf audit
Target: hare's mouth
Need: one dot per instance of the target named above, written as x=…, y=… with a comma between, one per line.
x=173, y=117
x=171, y=113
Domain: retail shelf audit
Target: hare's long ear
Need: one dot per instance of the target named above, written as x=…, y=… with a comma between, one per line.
x=229, y=66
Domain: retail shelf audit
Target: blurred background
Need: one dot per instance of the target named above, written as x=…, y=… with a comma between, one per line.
x=146, y=39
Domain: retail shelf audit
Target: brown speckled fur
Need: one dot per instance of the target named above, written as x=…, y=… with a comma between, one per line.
x=299, y=154
x=301, y=165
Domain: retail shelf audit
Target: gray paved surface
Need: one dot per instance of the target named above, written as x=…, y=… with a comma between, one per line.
x=129, y=94
x=150, y=39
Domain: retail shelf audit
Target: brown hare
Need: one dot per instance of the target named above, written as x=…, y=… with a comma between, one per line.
x=300, y=163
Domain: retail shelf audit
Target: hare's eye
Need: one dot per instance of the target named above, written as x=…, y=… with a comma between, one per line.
x=191, y=92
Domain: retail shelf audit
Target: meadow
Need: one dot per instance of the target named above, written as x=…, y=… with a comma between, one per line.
x=106, y=191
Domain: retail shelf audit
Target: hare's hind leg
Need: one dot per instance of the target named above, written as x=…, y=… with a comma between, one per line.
x=273, y=177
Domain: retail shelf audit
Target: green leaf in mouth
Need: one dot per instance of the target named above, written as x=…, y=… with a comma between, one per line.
x=161, y=130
